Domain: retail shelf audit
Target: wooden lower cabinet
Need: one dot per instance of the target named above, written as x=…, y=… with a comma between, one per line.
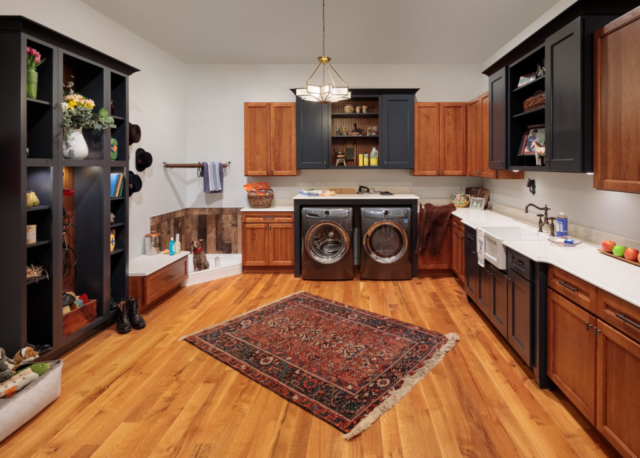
x=442, y=261
x=571, y=352
x=155, y=287
x=618, y=401
x=267, y=242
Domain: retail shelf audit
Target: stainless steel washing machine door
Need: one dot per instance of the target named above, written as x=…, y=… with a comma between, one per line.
x=385, y=242
x=326, y=242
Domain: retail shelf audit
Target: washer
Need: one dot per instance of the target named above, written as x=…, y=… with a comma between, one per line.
x=327, y=249
x=386, y=243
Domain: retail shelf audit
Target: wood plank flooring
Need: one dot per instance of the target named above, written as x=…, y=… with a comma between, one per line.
x=147, y=394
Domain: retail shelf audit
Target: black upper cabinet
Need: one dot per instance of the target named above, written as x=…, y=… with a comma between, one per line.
x=498, y=88
x=312, y=134
x=398, y=131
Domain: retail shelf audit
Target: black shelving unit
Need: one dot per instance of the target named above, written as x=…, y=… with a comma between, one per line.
x=33, y=161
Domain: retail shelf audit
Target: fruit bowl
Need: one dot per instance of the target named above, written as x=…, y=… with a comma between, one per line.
x=622, y=253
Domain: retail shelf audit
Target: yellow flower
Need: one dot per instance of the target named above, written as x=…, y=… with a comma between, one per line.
x=72, y=104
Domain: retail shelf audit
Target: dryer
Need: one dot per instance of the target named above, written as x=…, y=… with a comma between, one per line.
x=327, y=251
x=386, y=243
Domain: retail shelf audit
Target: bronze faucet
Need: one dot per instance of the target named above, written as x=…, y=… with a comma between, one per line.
x=549, y=222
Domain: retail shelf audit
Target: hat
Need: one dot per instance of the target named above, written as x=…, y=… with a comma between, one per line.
x=134, y=134
x=143, y=160
x=135, y=183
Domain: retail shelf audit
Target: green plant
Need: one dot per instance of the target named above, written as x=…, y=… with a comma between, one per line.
x=77, y=113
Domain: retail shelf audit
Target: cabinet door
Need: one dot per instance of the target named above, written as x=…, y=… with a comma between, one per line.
x=571, y=352
x=442, y=261
x=457, y=261
x=471, y=272
x=485, y=291
x=397, y=130
x=453, y=139
x=427, y=133
x=255, y=244
x=564, y=102
x=484, y=135
x=280, y=244
x=618, y=404
x=257, y=139
x=498, y=120
x=499, y=310
x=520, y=303
x=313, y=122
x=474, y=138
x=283, y=139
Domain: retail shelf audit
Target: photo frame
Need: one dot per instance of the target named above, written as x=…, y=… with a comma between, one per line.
x=477, y=203
x=526, y=79
x=533, y=136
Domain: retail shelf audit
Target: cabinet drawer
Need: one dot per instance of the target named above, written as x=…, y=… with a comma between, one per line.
x=161, y=282
x=267, y=217
x=470, y=238
x=618, y=313
x=571, y=287
x=457, y=224
x=519, y=264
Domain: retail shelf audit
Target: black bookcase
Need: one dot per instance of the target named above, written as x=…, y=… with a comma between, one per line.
x=32, y=138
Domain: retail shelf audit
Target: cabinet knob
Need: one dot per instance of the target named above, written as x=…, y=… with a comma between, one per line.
x=596, y=331
x=587, y=325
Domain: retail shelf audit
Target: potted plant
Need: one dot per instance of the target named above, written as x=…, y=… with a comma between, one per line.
x=34, y=60
x=77, y=114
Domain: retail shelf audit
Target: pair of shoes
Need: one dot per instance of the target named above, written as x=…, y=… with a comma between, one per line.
x=129, y=317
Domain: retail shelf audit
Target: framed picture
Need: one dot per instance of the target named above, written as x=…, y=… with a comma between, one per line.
x=477, y=203
x=526, y=79
x=533, y=137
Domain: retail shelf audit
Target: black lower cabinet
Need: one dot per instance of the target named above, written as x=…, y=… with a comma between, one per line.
x=485, y=291
x=499, y=309
x=520, y=301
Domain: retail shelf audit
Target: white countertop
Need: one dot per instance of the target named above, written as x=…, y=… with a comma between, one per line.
x=358, y=197
x=584, y=261
x=269, y=209
x=144, y=265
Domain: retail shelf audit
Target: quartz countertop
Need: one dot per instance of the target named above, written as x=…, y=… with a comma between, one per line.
x=584, y=261
x=358, y=197
x=144, y=265
x=269, y=209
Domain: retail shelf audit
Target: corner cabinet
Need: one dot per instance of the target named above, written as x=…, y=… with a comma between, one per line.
x=324, y=130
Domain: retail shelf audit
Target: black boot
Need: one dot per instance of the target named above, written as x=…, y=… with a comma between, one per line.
x=123, y=325
x=136, y=320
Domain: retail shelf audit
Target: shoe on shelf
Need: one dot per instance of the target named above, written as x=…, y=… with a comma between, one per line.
x=123, y=325
x=136, y=320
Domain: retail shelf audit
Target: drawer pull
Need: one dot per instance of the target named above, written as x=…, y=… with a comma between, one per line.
x=168, y=277
x=268, y=217
x=569, y=287
x=627, y=320
x=518, y=262
x=587, y=325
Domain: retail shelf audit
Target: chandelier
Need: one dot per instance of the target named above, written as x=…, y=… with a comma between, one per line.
x=328, y=91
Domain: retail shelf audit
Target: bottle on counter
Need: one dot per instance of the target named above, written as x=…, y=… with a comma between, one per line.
x=172, y=247
x=563, y=225
x=177, y=246
x=374, y=157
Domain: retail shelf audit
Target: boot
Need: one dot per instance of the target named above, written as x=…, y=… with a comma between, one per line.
x=123, y=325
x=136, y=320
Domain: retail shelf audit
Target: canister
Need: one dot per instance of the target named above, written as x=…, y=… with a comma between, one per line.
x=152, y=243
x=32, y=234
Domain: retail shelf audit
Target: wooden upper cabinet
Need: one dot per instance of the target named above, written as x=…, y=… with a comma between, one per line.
x=257, y=139
x=453, y=139
x=616, y=102
x=474, y=138
x=427, y=144
x=269, y=139
x=283, y=139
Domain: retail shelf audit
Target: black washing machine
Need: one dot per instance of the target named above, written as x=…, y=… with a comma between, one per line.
x=386, y=244
x=327, y=251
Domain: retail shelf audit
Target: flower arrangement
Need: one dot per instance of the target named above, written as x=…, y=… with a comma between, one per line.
x=77, y=113
x=34, y=60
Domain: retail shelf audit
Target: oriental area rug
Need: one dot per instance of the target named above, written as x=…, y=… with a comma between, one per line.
x=342, y=364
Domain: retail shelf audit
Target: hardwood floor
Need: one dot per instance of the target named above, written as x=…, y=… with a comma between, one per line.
x=147, y=394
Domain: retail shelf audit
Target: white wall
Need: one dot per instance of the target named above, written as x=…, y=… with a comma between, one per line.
x=156, y=100
x=616, y=213
x=215, y=122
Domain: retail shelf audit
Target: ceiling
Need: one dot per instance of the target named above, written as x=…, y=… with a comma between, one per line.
x=358, y=31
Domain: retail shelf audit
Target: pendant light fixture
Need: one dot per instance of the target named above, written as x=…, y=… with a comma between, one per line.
x=328, y=91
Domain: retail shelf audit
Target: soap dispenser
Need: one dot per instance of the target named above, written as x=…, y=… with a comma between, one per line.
x=563, y=225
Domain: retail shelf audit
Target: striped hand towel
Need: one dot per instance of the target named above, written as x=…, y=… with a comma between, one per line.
x=212, y=173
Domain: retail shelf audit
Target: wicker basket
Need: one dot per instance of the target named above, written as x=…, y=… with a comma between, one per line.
x=460, y=200
x=263, y=200
x=537, y=100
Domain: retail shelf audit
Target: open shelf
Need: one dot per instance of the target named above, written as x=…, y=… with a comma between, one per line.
x=530, y=113
x=354, y=137
x=38, y=101
x=535, y=83
x=39, y=279
x=355, y=115
x=38, y=243
x=117, y=251
x=38, y=208
x=114, y=225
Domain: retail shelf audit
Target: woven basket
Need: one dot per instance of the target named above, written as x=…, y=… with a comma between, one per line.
x=537, y=100
x=260, y=200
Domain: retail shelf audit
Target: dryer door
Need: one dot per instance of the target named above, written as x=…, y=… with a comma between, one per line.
x=385, y=242
x=327, y=242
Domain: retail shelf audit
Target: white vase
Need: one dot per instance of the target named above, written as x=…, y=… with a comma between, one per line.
x=74, y=145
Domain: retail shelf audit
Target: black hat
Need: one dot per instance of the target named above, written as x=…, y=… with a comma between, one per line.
x=135, y=183
x=135, y=134
x=143, y=160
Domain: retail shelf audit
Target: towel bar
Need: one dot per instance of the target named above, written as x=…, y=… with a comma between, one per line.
x=189, y=166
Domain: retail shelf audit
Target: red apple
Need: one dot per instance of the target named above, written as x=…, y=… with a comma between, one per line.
x=608, y=245
x=631, y=254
